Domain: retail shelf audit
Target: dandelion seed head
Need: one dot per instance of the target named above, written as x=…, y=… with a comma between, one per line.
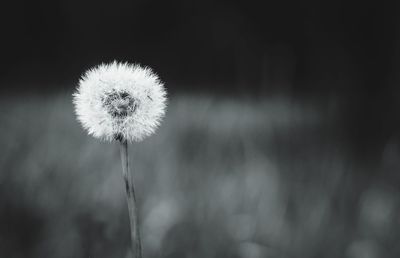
x=120, y=101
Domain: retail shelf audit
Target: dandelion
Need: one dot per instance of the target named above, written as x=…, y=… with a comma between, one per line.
x=125, y=103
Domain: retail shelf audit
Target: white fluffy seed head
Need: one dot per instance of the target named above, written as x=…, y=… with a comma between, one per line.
x=120, y=101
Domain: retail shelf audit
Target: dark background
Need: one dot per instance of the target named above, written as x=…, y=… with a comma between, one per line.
x=298, y=100
x=234, y=46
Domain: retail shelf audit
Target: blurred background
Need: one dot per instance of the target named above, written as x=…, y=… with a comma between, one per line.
x=281, y=137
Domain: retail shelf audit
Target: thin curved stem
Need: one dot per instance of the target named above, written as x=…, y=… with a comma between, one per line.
x=131, y=200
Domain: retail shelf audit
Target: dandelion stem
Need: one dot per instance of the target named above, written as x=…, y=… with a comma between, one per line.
x=131, y=200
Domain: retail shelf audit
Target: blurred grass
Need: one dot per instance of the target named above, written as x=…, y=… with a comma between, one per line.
x=221, y=178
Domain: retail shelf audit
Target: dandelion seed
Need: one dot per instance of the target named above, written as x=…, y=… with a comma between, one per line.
x=122, y=102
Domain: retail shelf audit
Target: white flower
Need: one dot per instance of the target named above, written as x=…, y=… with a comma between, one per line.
x=120, y=101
